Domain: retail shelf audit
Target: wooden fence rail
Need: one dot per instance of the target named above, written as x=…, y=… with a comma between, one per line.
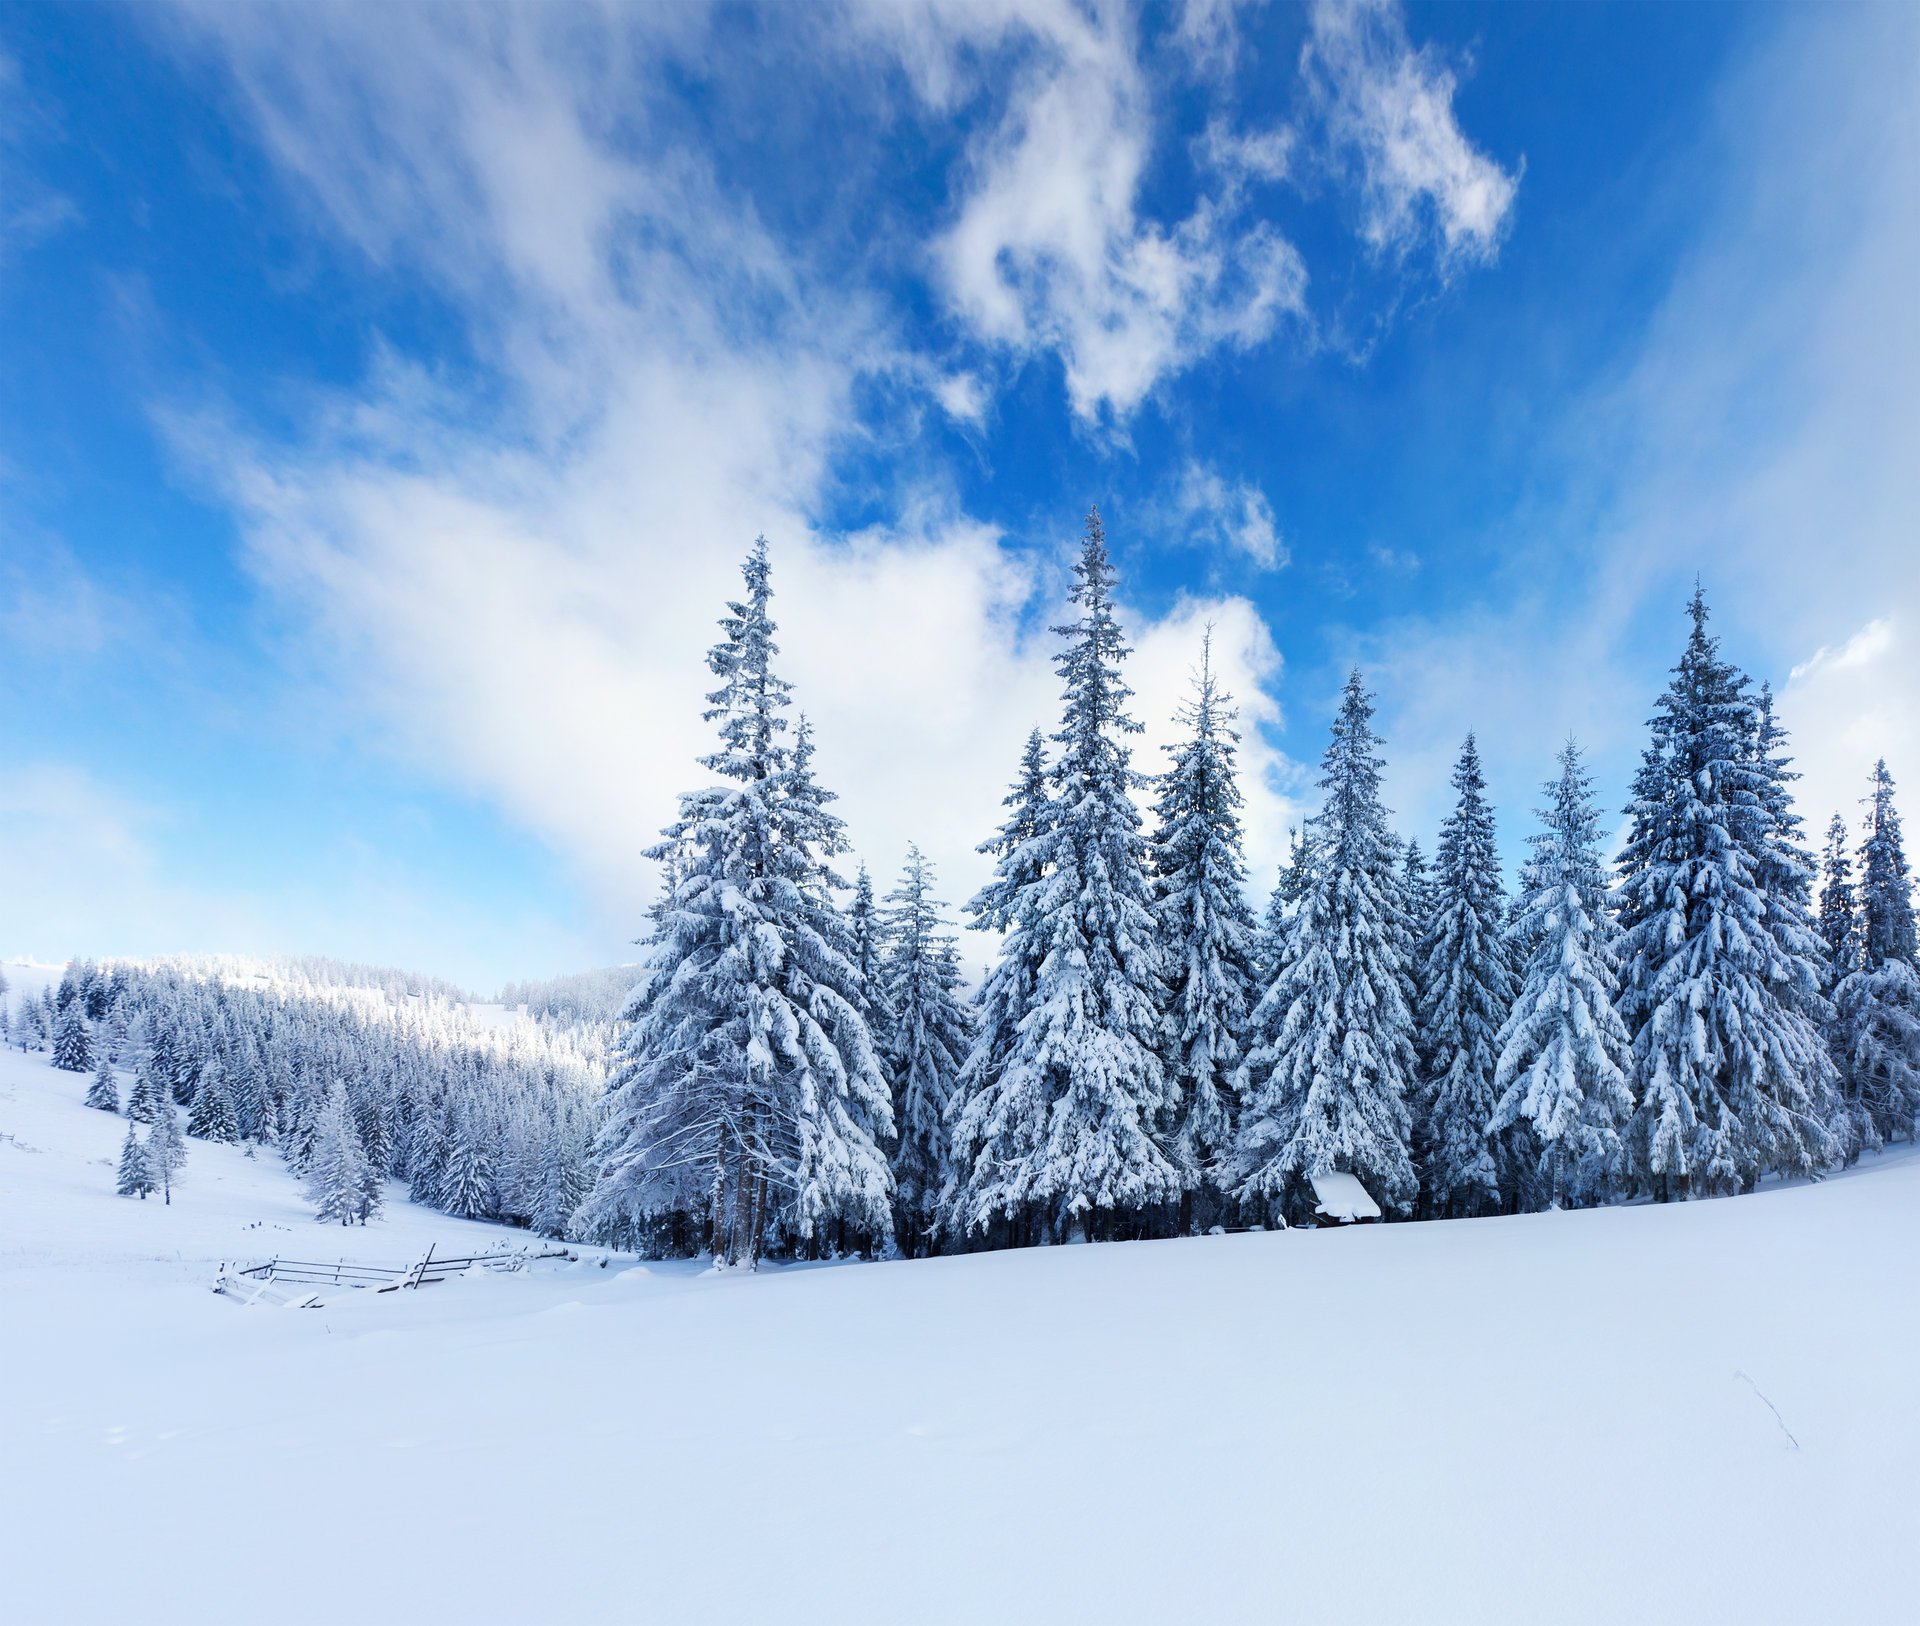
x=247, y=1281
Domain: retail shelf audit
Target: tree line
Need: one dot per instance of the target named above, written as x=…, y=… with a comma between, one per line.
x=796, y=1076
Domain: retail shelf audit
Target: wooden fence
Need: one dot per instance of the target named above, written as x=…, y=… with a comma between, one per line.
x=293, y=1281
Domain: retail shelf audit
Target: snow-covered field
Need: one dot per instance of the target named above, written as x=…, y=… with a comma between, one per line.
x=1553, y=1418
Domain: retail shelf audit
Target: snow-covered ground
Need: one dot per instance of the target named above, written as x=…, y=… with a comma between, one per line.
x=1554, y=1418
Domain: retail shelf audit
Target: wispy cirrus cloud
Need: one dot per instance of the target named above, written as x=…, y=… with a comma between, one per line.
x=1386, y=107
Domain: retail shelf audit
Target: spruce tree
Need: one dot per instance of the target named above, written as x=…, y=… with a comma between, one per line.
x=1838, y=928
x=166, y=1149
x=863, y=922
x=1207, y=933
x=1325, y=1085
x=104, y=1091
x=73, y=1039
x=747, y=1098
x=336, y=1175
x=981, y=1111
x=931, y=1030
x=1466, y=989
x=1561, y=1079
x=1730, y=1070
x=143, y=1100
x=212, y=1117
x=1075, y=1120
x=136, y=1172
x=1878, y=1001
x=467, y=1182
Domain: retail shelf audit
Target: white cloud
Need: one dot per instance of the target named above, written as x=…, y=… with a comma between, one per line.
x=1207, y=509
x=1389, y=107
x=1849, y=707
x=520, y=603
x=1049, y=250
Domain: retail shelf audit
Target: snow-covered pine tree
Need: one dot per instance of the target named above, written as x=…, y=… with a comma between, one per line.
x=747, y=1093
x=1878, y=1001
x=1838, y=927
x=336, y=1171
x=931, y=1031
x=212, y=1117
x=73, y=1039
x=166, y=1148
x=135, y=1177
x=104, y=1091
x=863, y=922
x=1330, y=1064
x=1416, y=879
x=1466, y=989
x=1073, y=1124
x=1207, y=933
x=467, y=1187
x=1006, y=904
x=1561, y=1080
x=1729, y=1067
x=148, y=1091
x=1784, y=874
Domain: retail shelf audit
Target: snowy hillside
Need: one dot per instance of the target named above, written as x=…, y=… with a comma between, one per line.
x=1563, y=1417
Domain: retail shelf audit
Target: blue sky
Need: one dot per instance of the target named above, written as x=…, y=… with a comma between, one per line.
x=387, y=396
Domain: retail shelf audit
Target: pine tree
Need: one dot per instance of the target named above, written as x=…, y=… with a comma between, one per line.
x=1467, y=988
x=336, y=1175
x=1878, y=1001
x=467, y=1186
x=1329, y=1069
x=980, y=1112
x=931, y=1031
x=143, y=1100
x=104, y=1091
x=136, y=1173
x=1416, y=879
x=1207, y=934
x=166, y=1149
x=212, y=1116
x=747, y=1097
x=1729, y=1067
x=73, y=1039
x=1561, y=1081
x=1070, y=1132
x=1838, y=928
x=863, y=922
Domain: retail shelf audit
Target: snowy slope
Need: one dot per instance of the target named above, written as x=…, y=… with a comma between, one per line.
x=1536, y=1419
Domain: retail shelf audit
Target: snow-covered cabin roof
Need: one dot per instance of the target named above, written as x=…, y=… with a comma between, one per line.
x=1342, y=1197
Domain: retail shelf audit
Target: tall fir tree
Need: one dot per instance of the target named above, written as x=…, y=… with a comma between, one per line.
x=1466, y=990
x=336, y=1176
x=1561, y=1079
x=1730, y=1070
x=104, y=1091
x=1207, y=933
x=1069, y=1132
x=212, y=1116
x=864, y=924
x=135, y=1177
x=166, y=1149
x=748, y=1097
x=1878, y=1000
x=1839, y=929
x=1329, y=1071
x=928, y=1041
x=73, y=1039
x=980, y=1111
x=467, y=1184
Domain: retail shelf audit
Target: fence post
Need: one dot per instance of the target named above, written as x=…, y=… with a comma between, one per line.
x=420, y=1270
